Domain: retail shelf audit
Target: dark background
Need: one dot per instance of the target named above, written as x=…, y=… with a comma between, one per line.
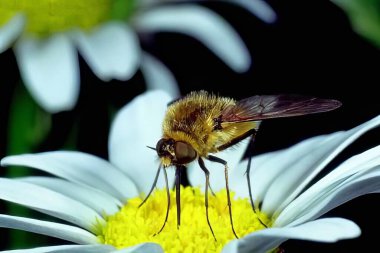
x=310, y=50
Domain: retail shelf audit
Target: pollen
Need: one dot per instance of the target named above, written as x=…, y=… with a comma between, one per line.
x=45, y=17
x=133, y=225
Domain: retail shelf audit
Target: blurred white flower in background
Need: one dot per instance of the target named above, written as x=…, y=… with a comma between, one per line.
x=45, y=36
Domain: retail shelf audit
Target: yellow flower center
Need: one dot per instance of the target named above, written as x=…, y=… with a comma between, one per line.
x=45, y=17
x=133, y=225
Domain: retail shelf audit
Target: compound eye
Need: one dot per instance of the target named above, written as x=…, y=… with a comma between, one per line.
x=161, y=147
x=184, y=152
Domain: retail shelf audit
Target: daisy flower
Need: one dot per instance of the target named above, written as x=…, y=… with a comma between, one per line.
x=45, y=36
x=98, y=200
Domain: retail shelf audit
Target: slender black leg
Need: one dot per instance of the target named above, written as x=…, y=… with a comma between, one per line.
x=251, y=133
x=168, y=198
x=218, y=160
x=247, y=173
x=153, y=185
x=212, y=192
x=178, y=193
x=207, y=174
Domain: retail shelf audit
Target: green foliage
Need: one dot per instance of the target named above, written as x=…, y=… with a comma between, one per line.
x=121, y=9
x=364, y=16
x=28, y=125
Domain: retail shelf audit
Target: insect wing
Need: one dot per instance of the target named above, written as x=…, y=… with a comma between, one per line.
x=276, y=106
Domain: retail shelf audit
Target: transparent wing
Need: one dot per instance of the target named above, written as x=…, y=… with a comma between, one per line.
x=276, y=106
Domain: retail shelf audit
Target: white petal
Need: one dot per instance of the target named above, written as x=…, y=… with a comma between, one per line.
x=80, y=168
x=302, y=165
x=50, y=71
x=112, y=50
x=217, y=178
x=66, y=249
x=10, y=31
x=142, y=248
x=267, y=167
x=231, y=247
x=357, y=176
x=299, y=164
x=202, y=24
x=136, y=126
x=257, y=7
x=158, y=76
x=99, y=201
x=49, y=202
x=322, y=230
x=62, y=231
x=361, y=186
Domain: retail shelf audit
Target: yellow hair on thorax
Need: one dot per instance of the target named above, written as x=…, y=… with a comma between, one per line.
x=191, y=119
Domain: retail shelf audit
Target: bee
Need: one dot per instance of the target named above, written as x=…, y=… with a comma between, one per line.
x=201, y=124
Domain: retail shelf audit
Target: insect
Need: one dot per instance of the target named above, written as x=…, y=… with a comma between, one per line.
x=202, y=124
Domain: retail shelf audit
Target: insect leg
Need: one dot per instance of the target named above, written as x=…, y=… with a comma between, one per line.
x=212, y=192
x=251, y=133
x=153, y=185
x=178, y=193
x=218, y=160
x=247, y=173
x=207, y=174
x=168, y=198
